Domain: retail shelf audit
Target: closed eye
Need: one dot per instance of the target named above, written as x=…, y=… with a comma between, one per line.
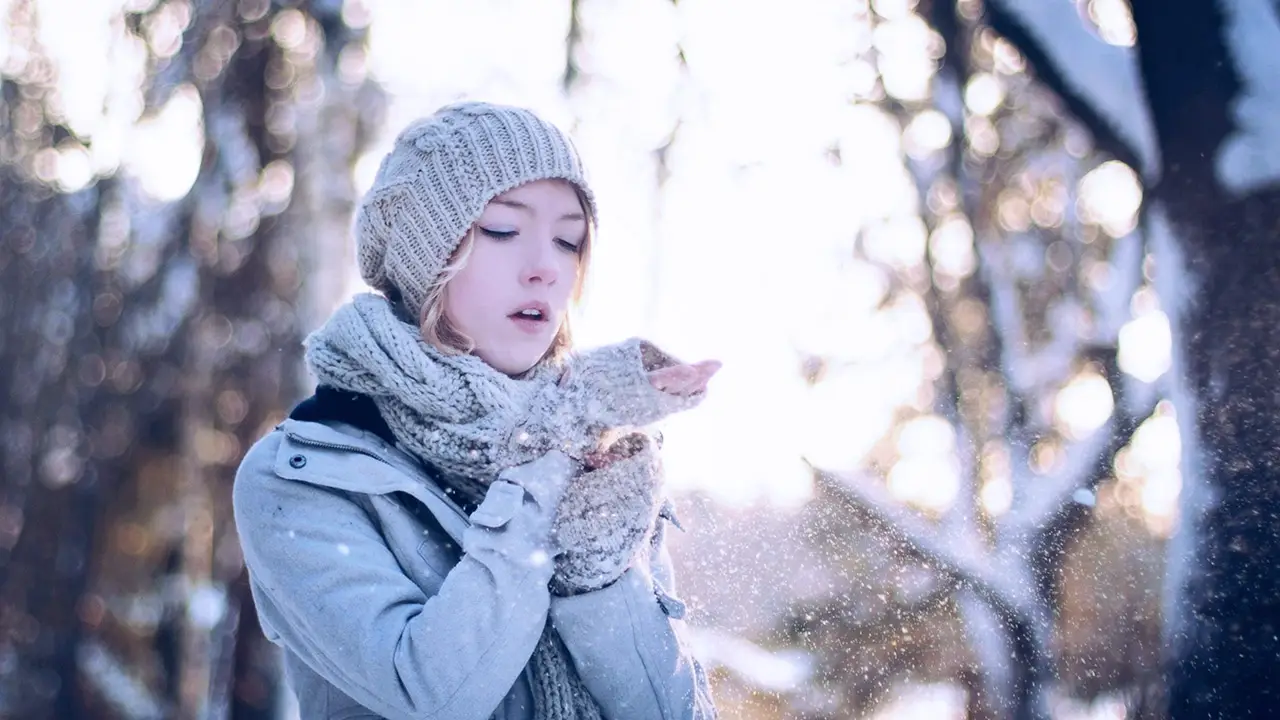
x=499, y=234
x=571, y=247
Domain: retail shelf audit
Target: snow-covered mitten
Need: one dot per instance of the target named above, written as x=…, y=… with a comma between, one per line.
x=607, y=515
x=601, y=393
x=610, y=386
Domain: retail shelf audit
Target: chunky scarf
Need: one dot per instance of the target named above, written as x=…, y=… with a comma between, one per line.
x=470, y=421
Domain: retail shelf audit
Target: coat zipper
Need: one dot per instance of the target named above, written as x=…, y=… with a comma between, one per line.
x=335, y=446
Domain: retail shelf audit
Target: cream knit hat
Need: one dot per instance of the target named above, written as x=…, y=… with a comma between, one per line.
x=436, y=181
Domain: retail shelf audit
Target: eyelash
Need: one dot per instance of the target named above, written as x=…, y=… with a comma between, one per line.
x=508, y=234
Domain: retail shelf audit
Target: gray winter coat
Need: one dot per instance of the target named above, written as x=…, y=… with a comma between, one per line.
x=390, y=602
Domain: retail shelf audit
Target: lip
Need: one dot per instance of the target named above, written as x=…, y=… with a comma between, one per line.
x=538, y=305
x=527, y=325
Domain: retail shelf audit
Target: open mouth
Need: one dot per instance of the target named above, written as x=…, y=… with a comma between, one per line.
x=532, y=317
x=529, y=314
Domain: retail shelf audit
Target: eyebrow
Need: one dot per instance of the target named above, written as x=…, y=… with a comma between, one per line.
x=521, y=206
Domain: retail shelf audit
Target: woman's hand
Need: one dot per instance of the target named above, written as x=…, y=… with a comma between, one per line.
x=684, y=379
x=681, y=380
x=607, y=514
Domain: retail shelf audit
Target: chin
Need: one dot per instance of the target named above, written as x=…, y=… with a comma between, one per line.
x=513, y=363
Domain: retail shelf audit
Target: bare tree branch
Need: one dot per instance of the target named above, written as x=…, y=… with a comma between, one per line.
x=572, y=41
x=1023, y=371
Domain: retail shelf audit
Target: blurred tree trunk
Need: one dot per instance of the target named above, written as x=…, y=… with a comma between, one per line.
x=144, y=346
x=1210, y=75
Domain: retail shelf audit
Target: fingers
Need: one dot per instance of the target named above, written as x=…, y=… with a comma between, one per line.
x=705, y=370
x=669, y=378
x=685, y=379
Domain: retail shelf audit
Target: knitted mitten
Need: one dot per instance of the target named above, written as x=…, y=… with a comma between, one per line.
x=606, y=515
x=601, y=393
x=610, y=385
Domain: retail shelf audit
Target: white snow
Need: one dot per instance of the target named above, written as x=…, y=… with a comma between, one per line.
x=114, y=682
x=206, y=606
x=768, y=670
x=1250, y=157
x=1106, y=76
x=1176, y=286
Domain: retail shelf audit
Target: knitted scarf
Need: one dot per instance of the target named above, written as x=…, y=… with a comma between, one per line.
x=458, y=414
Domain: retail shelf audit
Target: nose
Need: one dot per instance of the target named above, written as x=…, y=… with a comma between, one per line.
x=539, y=265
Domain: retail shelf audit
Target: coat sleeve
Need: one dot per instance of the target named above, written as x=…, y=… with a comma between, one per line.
x=329, y=589
x=626, y=645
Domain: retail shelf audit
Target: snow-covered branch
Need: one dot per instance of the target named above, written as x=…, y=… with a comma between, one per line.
x=1042, y=502
x=968, y=564
x=1250, y=157
x=1040, y=499
x=1101, y=83
x=758, y=667
x=990, y=644
x=116, y=684
x=1006, y=316
x=1177, y=285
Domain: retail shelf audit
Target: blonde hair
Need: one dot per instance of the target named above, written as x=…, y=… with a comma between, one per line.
x=434, y=323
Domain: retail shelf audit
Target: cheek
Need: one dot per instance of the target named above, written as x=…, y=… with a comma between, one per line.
x=461, y=300
x=475, y=290
x=569, y=271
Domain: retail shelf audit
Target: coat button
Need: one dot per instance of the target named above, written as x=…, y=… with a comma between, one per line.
x=297, y=461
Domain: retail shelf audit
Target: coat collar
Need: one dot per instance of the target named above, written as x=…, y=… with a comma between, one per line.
x=380, y=468
x=329, y=403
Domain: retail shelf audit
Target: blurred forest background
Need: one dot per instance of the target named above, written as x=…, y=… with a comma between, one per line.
x=995, y=282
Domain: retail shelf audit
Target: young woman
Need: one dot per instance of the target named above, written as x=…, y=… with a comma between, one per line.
x=466, y=520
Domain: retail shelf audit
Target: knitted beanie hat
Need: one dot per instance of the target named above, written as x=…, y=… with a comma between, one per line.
x=435, y=182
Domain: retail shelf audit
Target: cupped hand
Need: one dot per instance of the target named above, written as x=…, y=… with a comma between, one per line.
x=684, y=379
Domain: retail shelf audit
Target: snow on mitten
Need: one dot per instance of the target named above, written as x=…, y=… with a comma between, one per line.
x=600, y=392
x=606, y=516
x=610, y=386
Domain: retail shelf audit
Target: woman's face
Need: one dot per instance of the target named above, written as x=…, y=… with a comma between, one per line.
x=512, y=294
